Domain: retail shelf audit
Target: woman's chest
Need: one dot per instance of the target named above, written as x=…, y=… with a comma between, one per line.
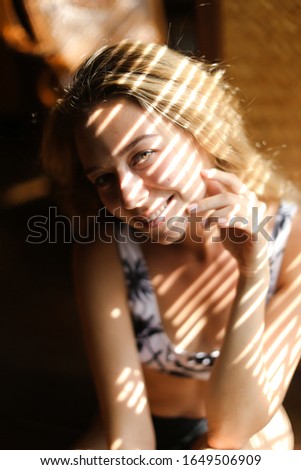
x=194, y=297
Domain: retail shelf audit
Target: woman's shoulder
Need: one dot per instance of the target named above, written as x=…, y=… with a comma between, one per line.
x=99, y=255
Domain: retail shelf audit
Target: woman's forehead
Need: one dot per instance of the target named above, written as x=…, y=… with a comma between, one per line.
x=125, y=116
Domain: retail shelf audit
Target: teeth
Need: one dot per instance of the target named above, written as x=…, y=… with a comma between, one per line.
x=157, y=214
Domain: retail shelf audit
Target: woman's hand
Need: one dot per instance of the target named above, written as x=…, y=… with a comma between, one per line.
x=240, y=217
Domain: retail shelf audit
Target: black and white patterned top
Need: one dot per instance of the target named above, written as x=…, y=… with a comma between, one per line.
x=154, y=346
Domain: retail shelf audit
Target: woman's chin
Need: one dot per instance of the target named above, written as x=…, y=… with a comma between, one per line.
x=169, y=232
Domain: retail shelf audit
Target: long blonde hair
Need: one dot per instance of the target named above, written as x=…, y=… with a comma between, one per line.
x=189, y=93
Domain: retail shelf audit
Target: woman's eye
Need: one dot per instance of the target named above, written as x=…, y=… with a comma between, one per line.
x=142, y=157
x=105, y=180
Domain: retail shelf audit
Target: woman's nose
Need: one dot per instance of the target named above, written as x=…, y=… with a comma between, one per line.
x=132, y=190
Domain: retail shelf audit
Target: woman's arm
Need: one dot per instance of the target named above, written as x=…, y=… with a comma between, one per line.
x=261, y=350
x=111, y=347
x=262, y=344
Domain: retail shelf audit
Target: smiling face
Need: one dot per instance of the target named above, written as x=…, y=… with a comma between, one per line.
x=145, y=169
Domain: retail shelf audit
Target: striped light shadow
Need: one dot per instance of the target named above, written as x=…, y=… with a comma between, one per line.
x=174, y=163
x=294, y=264
x=126, y=139
x=212, y=285
x=191, y=321
x=279, y=342
x=278, y=303
x=252, y=346
x=192, y=290
x=152, y=64
x=196, y=175
x=192, y=334
x=250, y=311
x=166, y=284
x=192, y=97
x=114, y=112
x=221, y=304
x=116, y=444
x=130, y=51
x=192, y=313
x=166, y=152
x=181, y=90
x=136, y=183
x=165, y=90
x=94, y=116
x=210, y=91
x=132, y=390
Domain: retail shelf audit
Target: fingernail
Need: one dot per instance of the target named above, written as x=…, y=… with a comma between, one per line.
x=192, y=207
x=222, y=221
x=209, y=172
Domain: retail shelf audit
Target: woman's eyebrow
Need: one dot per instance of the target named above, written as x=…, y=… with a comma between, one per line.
x=136, y=141
x=127, y=148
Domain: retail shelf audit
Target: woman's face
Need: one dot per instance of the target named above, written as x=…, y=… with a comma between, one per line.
x=146, y=170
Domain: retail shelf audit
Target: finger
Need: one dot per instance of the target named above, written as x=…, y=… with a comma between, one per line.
x=233, y=202
x=230, y=180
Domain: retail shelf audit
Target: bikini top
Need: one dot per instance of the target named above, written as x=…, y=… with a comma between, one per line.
x=154, y=347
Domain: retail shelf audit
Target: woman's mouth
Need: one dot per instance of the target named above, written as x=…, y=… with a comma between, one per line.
x=155, y=218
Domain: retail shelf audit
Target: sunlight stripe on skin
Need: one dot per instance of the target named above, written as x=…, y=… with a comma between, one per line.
x=199, y=296
x=94, y=116
x=294, y=264
x=190, y=320
x=249, y=312
x=192, y=290
x=196, y=175
x=116, y=444
x=279, y=362
x=281, y=336
x=129, y=135
x=136, y=188
x=141, y=405
x=192, y=334
x=277, y=303
x=164, y=155
x=124, y=375
x=188, y=164
x=136, y=394
x=176, y=159
x=168, y=282
x=256, y=357
x=222, y=304
x=296, y=349
x=159, y=201
x=252, y=291
x=127, y=389
x=253, y=345
x=126, y=181
x=113, y=113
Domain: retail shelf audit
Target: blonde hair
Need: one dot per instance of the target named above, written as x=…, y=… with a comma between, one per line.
x=189, y=93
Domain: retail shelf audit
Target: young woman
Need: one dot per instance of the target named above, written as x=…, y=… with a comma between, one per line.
x=190, y=293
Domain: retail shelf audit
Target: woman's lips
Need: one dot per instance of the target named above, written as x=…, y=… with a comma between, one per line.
x=155, y=215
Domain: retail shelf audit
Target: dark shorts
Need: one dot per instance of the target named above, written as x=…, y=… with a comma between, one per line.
x=178, y=433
